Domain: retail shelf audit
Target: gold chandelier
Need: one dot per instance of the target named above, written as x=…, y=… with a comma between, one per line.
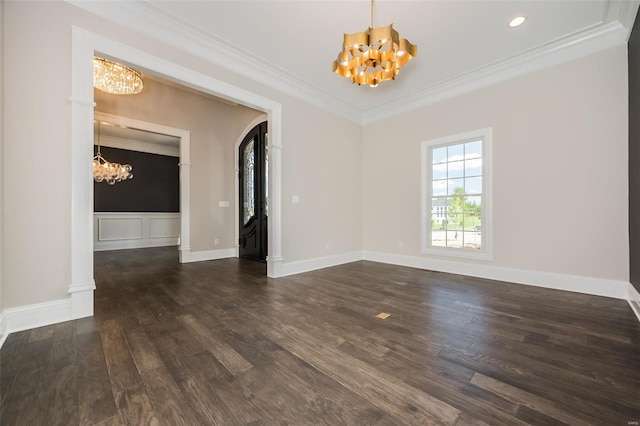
x=104, y=171
x=115, y=78
x=374, y=55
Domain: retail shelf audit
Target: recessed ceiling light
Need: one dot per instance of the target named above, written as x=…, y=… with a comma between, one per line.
x=517, y=21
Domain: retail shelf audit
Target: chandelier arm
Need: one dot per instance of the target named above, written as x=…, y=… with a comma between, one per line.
x=99, y=140
x=371, y=14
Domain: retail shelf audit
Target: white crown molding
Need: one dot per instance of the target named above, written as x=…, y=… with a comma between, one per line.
x=627, y=11
x=173, y=31
x=585, y=43
x=159, y=24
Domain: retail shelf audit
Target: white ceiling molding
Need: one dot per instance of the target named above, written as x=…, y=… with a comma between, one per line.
x=614, y=30
x=156, y=23
x=566, y=49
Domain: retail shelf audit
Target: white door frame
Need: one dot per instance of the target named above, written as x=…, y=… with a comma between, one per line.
x=84, y=45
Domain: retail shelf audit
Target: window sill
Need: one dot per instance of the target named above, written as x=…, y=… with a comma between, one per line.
x=456, y=252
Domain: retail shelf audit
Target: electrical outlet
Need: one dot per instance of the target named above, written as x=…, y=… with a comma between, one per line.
x=216, y=241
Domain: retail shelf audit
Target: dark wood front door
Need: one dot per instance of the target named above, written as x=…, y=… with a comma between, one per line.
x=253, y=194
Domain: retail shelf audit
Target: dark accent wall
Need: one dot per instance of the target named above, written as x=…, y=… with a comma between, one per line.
x=634, y=156
x=155, y=186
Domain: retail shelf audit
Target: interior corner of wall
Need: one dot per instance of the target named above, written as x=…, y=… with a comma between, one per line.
x=633, y=297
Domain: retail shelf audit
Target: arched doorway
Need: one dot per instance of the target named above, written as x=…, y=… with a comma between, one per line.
x=253, y=194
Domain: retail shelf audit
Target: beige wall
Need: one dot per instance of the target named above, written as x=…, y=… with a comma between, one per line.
x=214, y=130
x=321, y=155
x=560, y=159
x=560, y=168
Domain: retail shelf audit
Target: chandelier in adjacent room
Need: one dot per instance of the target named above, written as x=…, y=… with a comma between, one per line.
x=104, y=171
x=115, y=78
x=374, y=55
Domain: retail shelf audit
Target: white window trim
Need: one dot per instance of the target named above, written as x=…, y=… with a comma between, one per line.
x=486, y=253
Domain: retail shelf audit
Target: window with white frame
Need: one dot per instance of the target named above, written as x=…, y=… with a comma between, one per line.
x=456, y=193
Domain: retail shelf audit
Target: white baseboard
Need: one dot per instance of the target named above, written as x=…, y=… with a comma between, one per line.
x=292, y=268
x=187, y=256
x=78, y=305
x=134, y=244
x=595, y=286
x=633, y=297
x=3, y=330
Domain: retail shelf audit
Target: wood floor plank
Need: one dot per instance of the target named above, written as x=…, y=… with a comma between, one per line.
x=512, y=373
x=60, y=398
x=219, y=343
x=41, y=333
x=204, y=399
x=21, y=406
x=401, y=401
x=227, y=356
x=552, y=408
x=95, y=397
x=131, y=400
x=167, y=398
x=64, y=340
x=142, y=350
x=10, y=362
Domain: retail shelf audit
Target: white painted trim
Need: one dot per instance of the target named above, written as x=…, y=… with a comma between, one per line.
x=146, y=224
x=84, y=44
x=139, y=146
x=292, y=268
x=79, y=305
x=136, y=244
x=633, y=297
x=3, y=330
x=82, y=116
x=148, y=19
x=627, y=12
x=146, y=236
x=566, y=49
x=161, y=25
x=37, y=315
x=588, y=285
x=188, y=256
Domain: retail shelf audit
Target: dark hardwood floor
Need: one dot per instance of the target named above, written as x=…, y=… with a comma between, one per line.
x=219, y=343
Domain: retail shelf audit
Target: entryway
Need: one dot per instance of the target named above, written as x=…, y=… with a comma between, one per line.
x=253, y=192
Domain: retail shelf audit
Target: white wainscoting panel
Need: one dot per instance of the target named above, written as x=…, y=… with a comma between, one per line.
x=117, y=231
x=119, y=228
x=163, y=227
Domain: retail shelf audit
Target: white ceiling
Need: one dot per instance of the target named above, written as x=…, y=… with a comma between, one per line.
x=461, y=44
